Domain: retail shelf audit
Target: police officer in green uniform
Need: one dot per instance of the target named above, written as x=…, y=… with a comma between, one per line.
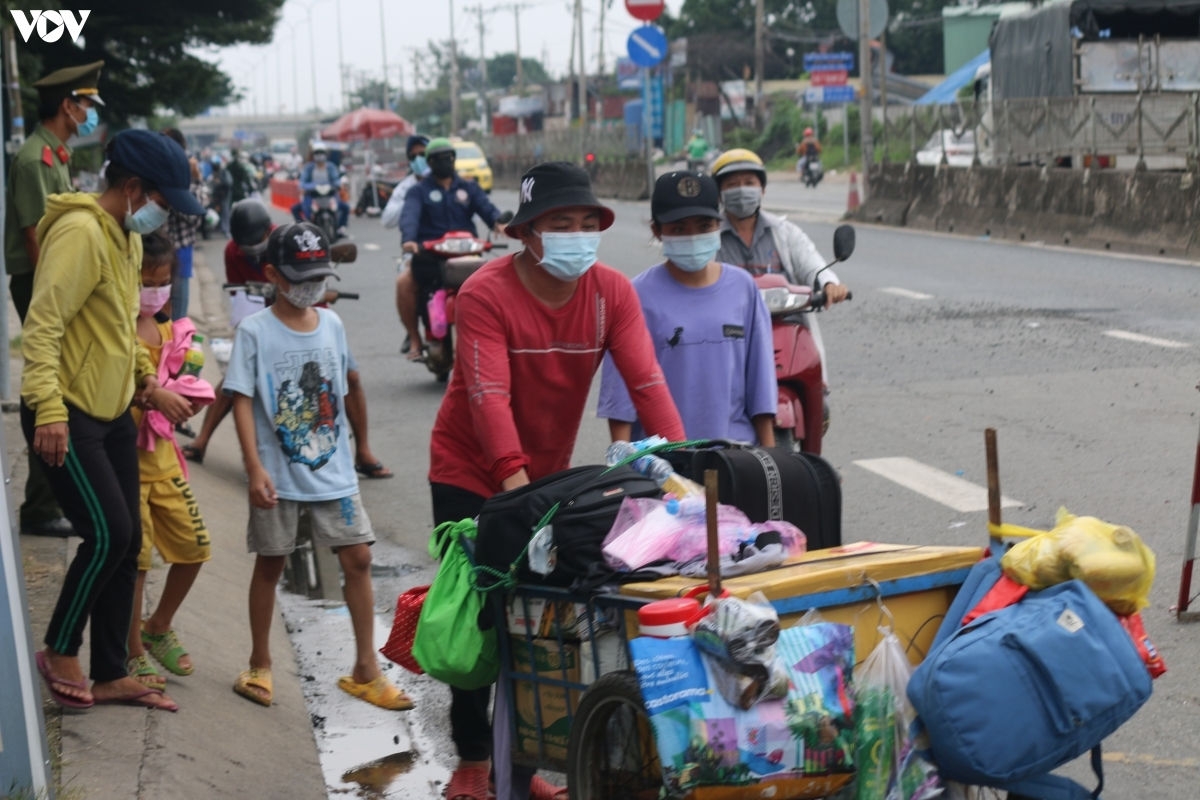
x=67, y=102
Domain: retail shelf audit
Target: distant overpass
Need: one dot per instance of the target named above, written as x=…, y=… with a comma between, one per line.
x=204, y=130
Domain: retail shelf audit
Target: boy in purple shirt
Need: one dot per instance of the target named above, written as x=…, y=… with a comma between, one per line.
x=710, y=328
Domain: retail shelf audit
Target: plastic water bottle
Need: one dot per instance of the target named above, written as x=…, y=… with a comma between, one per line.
x=655, y=468
x=193, y=361
x=691, y=505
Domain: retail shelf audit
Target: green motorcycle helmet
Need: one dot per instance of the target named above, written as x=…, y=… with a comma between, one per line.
x=438, y=146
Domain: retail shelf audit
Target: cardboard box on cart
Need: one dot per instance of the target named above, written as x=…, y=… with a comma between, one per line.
x=546, y=659
x=918, y=583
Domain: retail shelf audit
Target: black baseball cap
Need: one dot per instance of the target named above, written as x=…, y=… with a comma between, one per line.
x=682, y=194
x=159, y=161
x=301, y=252
x=414, y=141
x=557, y=184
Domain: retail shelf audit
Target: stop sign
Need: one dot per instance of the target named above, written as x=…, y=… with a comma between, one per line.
x=646, y=10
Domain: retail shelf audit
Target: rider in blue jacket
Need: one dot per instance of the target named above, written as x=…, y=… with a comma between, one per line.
x=440, y=203
x=320, y=170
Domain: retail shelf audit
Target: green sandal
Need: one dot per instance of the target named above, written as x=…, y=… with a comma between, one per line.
x=165, y=647
x=142, y=671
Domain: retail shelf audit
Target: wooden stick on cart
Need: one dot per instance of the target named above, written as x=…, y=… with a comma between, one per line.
x=710, y=517
x=993, y=482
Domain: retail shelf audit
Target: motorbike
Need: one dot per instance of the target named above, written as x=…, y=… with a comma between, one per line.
x=374, y=196
x=801, y=417
x=253, y=296
x=812, y=173
x=460, y=254
x=323, y=209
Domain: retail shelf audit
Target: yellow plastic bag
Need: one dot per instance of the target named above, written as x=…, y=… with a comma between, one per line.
x=1111, y=559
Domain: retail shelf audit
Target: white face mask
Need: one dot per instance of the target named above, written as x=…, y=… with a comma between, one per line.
x=742, y=201
x=304, y=295
x=568, y=256
x=692, y=253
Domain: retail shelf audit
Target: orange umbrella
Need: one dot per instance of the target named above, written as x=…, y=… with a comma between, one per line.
x=367, y=123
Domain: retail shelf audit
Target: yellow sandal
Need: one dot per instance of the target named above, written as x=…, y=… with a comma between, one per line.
x=380, y=692
x=255, y=685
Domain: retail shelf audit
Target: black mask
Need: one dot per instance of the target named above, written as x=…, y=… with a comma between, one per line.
x=442, y=166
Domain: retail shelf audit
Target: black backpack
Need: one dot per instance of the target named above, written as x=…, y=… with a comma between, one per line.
x=584, y=502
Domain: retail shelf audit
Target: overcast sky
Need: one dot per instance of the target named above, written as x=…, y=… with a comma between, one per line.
x=266, y=74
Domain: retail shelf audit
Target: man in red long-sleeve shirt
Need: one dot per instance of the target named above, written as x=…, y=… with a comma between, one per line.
x=533, y=329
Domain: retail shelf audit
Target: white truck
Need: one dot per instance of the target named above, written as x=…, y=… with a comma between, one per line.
x=1099, y=83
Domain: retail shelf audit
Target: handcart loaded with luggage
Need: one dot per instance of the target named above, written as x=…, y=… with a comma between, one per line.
x=684, y=621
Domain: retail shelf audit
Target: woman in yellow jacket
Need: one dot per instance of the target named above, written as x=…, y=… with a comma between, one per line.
x=82, y=367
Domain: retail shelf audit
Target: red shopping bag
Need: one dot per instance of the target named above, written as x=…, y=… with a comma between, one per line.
x=398, y=647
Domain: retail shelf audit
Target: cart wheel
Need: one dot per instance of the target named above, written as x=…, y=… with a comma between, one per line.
x=611, y=751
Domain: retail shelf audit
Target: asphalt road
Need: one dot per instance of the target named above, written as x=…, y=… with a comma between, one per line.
x=1085, y=363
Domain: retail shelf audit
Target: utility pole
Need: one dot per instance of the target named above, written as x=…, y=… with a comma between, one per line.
x=341, y=59
x=14, y=94
x=759, y=59
x=582, y=65
x=516, y=9
x=483, y=74
x=864, y=71
x=571, y=61
x=454, y=118
x=383, y=49
x=600, y=48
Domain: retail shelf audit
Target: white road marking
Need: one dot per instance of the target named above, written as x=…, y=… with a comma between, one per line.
x=942, y=487
x=370, y=246
x=909, y=293
x=1129, y=336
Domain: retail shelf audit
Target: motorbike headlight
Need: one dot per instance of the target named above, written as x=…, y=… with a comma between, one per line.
x=779, y=299
x=460, y=246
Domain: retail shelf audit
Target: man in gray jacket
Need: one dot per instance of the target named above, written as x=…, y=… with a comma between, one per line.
x=764, y=242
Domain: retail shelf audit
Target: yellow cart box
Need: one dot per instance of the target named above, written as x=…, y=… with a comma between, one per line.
x=851, y=584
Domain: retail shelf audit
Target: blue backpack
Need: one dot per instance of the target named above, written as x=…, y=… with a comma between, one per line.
x=1020, y=691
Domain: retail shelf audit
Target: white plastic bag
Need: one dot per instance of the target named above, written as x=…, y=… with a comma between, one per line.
x=887, y=762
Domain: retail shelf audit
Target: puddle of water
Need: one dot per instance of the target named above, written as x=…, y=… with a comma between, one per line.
x=375, y=777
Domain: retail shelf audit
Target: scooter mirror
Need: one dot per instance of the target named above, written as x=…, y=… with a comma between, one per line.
x=344, y=253
x=843, y=242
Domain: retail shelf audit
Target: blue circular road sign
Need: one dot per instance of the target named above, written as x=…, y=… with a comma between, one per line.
x=647, y=46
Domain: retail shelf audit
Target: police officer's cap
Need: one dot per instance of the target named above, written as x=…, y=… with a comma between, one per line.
x=78, y=81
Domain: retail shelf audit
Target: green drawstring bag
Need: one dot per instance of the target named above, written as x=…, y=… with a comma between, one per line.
x=449, y=644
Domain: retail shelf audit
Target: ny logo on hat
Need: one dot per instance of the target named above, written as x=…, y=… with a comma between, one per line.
x=527, y=190
x=42, y=20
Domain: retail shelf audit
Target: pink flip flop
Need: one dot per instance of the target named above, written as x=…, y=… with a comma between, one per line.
x=64, y=700
x=143, y=699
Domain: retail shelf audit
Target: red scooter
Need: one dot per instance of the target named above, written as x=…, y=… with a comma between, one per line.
x=461, y=255
x=800, y=419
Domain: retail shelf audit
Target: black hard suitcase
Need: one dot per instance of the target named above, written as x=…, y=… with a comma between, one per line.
x=772, y=483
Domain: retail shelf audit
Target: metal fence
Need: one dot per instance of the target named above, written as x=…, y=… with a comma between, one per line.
x=606, y=142
x=1148, y=129
x=1165, y=126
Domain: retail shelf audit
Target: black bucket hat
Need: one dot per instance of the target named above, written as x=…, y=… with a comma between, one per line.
x=557, y=184
x=682, y=194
